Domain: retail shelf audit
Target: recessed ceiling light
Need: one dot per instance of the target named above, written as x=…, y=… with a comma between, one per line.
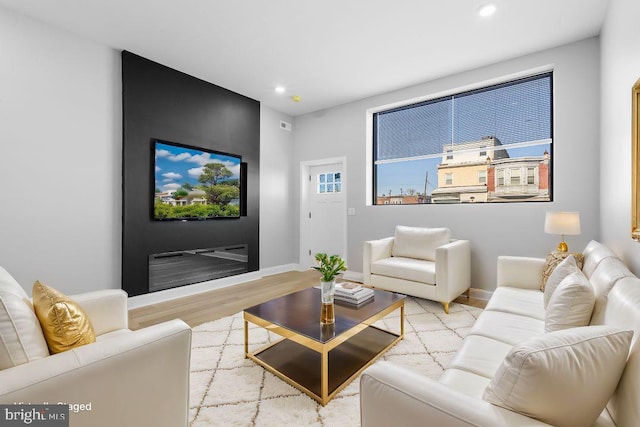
x=487, y=10
x=280, y=89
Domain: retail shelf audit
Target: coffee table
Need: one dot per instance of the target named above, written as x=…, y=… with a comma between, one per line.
x=321, y=360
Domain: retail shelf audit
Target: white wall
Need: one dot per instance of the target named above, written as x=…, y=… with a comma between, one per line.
x=513, y=229
x=60, y=157
x=620, y=39
x=277, y=233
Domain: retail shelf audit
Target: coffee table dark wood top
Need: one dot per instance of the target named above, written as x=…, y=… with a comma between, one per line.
x=322, y=359
x=300, y=312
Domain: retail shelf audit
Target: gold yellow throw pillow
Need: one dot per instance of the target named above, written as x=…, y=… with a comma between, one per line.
x=64, y=323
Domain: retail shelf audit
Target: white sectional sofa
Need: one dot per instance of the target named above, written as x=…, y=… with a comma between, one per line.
x=394, y=395
x=126, y=378
x=421, y=262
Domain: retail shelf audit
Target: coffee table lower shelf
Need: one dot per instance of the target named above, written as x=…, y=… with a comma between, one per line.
x=302, y=367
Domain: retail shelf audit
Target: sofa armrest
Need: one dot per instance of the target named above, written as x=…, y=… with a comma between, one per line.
x=107, y=309
x=391, y=395
x=519, y=272
x=136, y=378
x=453, y=270
x=374, y=250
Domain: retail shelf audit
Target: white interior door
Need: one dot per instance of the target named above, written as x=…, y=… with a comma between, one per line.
x=327, y=216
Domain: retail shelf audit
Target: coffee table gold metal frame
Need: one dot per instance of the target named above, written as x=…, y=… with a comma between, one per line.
x=340, y=358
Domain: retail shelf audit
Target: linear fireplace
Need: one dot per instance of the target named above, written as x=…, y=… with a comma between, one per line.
x=179, y=268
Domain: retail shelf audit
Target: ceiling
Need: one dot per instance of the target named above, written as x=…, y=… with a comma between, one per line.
x=327, y=52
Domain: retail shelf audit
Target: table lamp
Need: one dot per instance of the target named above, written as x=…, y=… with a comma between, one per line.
x=562, y=223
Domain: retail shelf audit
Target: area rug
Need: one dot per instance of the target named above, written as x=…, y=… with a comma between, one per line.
x=229, y=390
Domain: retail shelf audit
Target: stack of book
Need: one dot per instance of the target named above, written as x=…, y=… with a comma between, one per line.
x=352, y=293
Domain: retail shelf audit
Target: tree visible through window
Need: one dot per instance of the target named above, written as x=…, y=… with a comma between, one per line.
x=497, y=140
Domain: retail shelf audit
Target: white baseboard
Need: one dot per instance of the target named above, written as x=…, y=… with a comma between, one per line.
x=352, y=276
x=268, y=271
x=197, y=288
x=300, y=267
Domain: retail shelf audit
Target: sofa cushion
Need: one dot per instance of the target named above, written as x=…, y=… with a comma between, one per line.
x=467, y=383
x=563, y=378
x=594, y=253
x=64, y=323
x=552, y=261
x=480, y=355
x=523, y=302
x=566, y=267
x=418, y=242
x=21, y=339
x=571, y=304
x=416, y=270
x=621, y=311
x=506, y=327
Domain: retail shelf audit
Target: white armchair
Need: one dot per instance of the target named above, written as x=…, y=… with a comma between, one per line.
x=422, y=262
x=128, y=378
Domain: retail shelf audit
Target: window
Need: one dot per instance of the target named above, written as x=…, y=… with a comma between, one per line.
x=448, y=179
x=329, y=183
x=505, y=128
x=515, y=176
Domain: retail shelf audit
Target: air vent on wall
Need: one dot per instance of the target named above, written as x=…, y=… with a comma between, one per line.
x=285, y=126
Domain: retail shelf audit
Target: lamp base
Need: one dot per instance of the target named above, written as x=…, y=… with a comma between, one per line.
x=562, y=247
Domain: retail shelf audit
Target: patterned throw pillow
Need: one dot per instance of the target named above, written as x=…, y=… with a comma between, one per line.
x=552, y=261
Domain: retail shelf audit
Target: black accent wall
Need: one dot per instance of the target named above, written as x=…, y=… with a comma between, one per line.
x=159, y=102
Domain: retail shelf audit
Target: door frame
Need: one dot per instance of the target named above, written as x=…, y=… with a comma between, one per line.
x=305, y=202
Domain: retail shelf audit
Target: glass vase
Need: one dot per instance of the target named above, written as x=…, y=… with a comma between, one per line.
x=327, y=289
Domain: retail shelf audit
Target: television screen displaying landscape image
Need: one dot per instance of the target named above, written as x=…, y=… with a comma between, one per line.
x=194, y=183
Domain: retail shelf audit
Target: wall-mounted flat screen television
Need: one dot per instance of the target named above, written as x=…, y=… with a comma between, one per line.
x=194, y=183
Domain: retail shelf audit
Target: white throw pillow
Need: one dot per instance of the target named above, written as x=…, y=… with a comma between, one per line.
x=9, y=284
x=418, y=242
x=562, y=378
x=21, y=338
x=571, y=304
x=562, y=270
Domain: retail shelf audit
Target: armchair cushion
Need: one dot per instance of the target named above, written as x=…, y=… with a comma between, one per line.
x=406, y=268
x=562, y=378
x=64, y=323
x=418, y=242
x=21, y=338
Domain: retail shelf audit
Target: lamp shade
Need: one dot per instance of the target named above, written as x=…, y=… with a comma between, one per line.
x=567, y=223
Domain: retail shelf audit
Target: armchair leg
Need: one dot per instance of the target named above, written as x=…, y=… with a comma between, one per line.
x=468, y=293
x=446, y=307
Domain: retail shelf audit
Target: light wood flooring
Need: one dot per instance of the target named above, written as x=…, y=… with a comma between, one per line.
x=211, y=305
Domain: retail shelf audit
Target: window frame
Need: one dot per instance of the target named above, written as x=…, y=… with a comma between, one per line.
x=513, y=79
x=448, y=178
x=482, y=174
